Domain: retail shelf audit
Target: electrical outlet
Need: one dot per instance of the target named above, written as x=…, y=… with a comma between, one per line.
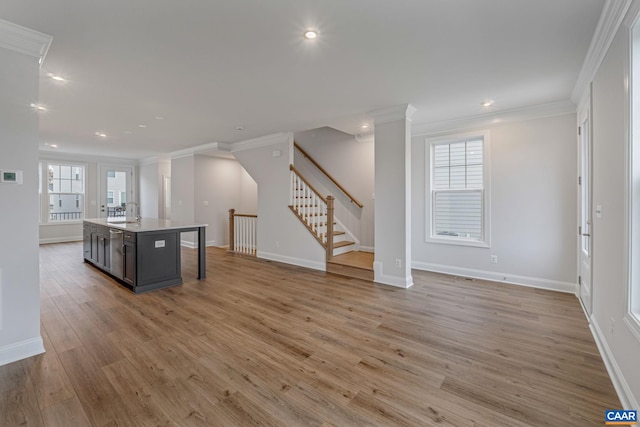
x=205, y=202
x=399, y=263
x=494, y=259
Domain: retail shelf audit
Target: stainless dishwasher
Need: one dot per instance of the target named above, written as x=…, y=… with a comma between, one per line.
x=115, y=249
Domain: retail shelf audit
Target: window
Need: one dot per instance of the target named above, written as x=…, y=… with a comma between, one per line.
x=110, y=197
x=458, y=208
x=64, y=193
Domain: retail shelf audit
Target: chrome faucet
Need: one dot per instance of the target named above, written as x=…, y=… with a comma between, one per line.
x=138, y=218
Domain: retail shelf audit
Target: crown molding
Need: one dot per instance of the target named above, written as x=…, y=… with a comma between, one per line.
x=200, y=149
x=498, y=117
x=263, y=141
x=149, y=161
x=83, y=158
x=611, y=17
x=24, y=40
x=393, y=114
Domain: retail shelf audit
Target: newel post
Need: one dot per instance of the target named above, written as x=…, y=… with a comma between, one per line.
x=330, y=209
x=232, y=239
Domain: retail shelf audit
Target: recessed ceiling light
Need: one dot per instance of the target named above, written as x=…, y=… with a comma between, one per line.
x=487, y=103
x=128, y=132
x=365, y=126
x=310, y=34
x=38, y=107
x=57, y=78
x=142, y=126
x=101, y=134
x=159, y=118
x=53, y=145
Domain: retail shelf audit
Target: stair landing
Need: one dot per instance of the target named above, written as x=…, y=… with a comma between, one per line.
x=358, y=265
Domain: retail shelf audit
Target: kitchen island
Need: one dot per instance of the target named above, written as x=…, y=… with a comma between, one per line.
x=143, y=255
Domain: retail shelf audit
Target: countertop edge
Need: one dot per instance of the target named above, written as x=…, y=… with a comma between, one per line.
x=145, y=225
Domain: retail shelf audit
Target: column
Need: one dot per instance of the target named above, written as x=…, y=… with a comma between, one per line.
x=392, y=261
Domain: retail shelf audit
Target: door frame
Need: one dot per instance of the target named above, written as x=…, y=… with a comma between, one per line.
x=102, y=185
x=584, y=117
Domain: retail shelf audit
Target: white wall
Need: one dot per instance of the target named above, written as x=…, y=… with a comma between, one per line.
x=281, y=235
x=19, y=272
x=149, y=189
x=351, y=163
x=249, y=192
x=222, y=184
x=533, y=208
x=610, y=283
x=183, y=195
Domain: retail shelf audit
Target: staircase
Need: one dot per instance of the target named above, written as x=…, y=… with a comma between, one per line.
x=314, y=211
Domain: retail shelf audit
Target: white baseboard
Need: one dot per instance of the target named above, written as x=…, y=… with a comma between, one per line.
x=21, y=350
x=292, y=260
x=46, y=241
x=194, y=245
x=385, y=279
x=619, y=382
x=366, y=249
x=533, y=282
x=189, y=244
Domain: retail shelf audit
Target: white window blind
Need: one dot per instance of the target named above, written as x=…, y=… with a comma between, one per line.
x=457, y=208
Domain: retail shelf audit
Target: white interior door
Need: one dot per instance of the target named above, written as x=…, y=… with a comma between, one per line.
x=585, y=220
x=115, y=191
x=166, y=197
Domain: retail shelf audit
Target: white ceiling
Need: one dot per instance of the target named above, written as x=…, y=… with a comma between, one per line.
x=208, y=66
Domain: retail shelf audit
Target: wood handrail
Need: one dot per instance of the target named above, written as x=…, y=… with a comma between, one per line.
x=293, y=168
x=332, y=179
x=246, y=215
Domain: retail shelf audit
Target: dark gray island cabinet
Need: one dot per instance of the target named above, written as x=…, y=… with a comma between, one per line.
x=143, y=255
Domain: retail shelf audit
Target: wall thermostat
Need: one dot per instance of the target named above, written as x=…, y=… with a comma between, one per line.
x=10, y=176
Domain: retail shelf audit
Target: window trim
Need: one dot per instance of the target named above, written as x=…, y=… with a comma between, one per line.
x=430, y=142
x=45, y=194
x=632, y=316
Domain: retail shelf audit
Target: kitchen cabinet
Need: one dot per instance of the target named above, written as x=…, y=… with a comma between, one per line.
x=146, y=253
x=96, y=245
x=129, y=258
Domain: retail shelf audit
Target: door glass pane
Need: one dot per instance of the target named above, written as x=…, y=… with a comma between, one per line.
x=116, y=191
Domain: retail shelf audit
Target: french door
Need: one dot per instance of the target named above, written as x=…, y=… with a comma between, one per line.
x=115, y=191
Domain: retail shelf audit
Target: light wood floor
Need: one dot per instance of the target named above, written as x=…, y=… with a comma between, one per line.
x=260, y=343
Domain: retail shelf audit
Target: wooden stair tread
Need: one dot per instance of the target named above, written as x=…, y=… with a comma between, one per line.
x=354, y=264
x=355, y=259
x=361, y=267
x=341, y=244
x=338, y=233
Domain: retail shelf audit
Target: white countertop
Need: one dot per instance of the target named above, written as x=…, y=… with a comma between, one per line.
x=145, y=224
